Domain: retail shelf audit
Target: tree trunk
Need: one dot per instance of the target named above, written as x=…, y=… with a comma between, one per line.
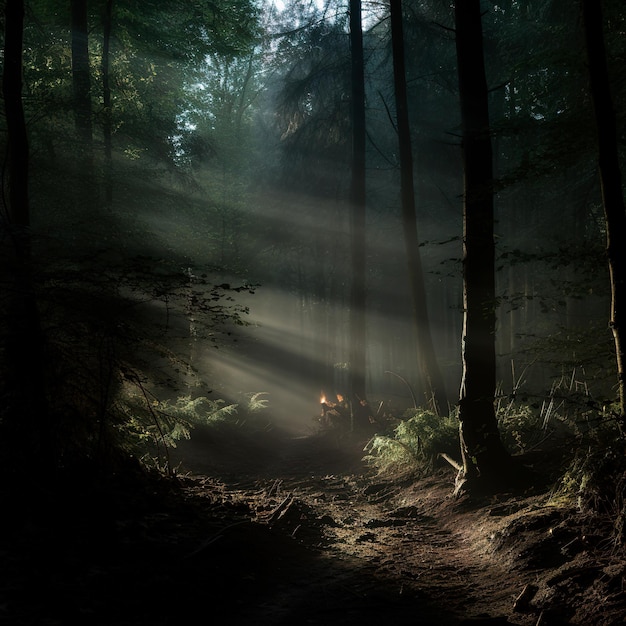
x=611, y=184
x=482, y=450
x=357, y=201
x=427, y=361
x=81, y=82
x=106, y=101
x=25, y=423
x=16, y=124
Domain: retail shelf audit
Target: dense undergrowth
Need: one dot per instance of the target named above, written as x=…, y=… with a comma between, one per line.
x=582, y=439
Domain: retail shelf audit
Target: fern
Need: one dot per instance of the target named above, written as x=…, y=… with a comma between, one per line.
x=256, y=403
x=162, y=424
x=415, y=444
x=200, y=410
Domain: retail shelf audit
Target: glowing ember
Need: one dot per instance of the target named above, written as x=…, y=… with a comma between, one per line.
x=323, y=399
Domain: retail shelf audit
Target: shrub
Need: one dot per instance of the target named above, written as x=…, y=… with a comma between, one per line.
x=415, y=444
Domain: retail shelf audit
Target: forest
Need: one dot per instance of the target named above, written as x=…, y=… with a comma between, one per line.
x=313, y=312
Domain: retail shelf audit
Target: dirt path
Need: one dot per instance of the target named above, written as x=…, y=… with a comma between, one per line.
x=371, y=550
x=259, y=530
x=402, y=544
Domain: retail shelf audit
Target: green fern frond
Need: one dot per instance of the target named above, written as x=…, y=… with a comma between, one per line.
x=219, y=413
x=415, y=444
x=256, y=402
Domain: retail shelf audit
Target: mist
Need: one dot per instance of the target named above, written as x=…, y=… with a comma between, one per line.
x=205, y=227
x=312, y=311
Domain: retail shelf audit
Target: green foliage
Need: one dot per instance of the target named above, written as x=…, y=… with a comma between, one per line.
x=256, y=403
x=519, y=426
x=119, y=338
x=312, y=114
x=416, y=442
x=191, y=30
x=593, y=474
x=567, y=412
x=155, y=52
x=594, y=479
x=149, y=428
x=566, y=416
x=189, y=411
x=122, y=294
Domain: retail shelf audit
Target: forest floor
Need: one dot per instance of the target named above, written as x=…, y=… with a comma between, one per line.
x=283, y=531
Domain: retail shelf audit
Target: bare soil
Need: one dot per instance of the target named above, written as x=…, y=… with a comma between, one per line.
x=267, y=529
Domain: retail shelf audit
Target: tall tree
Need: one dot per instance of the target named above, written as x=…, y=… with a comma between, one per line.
x=23, y=370
x=611, y=184
x=16, y=125
x=107, y=131
x=483, y=452
x=357, y=201
x=81, y=79
x=427, y=361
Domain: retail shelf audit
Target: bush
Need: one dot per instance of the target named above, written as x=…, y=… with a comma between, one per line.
x=520, y=426
x=594, y=478
x=416, y=443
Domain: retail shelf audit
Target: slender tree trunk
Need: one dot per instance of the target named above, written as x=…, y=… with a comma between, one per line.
x=24, y=398
x=611, y=183
x=106, y=101
x=81, y=83
x=357, y=200
x=16, y=124
x=427, y=361
x=482, y=449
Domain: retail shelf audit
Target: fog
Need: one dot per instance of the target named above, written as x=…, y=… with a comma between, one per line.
x=184, y=216
x=245, y=183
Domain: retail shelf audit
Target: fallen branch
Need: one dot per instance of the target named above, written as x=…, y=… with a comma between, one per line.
x=280, y=510
x=522, y=602
x=455, y=464
x=274, y=488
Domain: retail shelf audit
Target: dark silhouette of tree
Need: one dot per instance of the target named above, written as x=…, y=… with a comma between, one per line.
x=428, y=366
x=106, y=101
x=25, y=411
x=611, y=184
x=357, y=201
x=16, y=125
x=483, y=452
x=81, y=81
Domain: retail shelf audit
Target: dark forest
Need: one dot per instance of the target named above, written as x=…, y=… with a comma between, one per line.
x=313, y=312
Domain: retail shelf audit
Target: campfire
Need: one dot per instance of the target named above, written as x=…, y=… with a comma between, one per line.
x=341, y=414
x=325, y=401
x=336, y=408
x=323, y=404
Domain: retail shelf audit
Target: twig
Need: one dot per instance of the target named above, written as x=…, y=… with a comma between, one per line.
x=280, y=509
x=274, y=488
x=408, y=386
x=135, y=378
x=455, y=464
